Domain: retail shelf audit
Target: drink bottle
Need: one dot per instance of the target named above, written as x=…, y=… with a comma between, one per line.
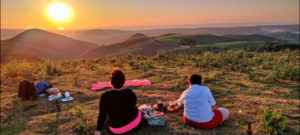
x=57, y=105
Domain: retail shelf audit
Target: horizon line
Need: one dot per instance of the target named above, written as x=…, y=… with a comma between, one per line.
x=168, y=26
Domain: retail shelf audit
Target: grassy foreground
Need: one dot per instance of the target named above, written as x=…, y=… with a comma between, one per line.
x=245, y=83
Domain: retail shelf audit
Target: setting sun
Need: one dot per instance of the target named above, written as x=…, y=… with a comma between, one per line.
x=60, y=28
x=59, y=12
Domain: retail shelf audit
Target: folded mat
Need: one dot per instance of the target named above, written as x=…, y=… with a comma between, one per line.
x=138, y=82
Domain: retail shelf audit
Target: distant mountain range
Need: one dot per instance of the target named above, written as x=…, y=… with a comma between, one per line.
x=34, y=44
x=111, y=36
x=137, y=44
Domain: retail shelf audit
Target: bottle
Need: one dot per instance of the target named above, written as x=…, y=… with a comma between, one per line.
x=249, y=130
x=57, y=105
x=160, y=106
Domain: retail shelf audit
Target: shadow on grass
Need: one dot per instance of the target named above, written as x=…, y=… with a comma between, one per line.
x=10, y=130
x=144, y=129
x=291, y=131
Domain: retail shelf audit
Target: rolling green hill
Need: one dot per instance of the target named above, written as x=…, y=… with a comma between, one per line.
x=289, y=37
x=209, y=39
x=234, y=45
x=175, y=38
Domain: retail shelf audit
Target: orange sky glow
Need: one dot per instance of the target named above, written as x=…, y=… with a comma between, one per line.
x=102, y=13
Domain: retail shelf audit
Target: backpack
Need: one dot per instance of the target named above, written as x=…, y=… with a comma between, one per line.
x=27, y=90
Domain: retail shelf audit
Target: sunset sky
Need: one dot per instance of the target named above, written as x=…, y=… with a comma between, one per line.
x=104, y=13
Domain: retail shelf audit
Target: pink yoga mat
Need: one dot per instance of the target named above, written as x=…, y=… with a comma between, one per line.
x=138, y=82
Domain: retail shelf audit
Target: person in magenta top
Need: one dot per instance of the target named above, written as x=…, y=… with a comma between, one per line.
x=199, y=105
x=118, y=106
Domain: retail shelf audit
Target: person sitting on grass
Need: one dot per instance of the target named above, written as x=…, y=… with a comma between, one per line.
x=199, y=105
x=118, y=106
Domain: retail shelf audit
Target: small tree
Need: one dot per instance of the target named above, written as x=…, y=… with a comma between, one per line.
x=273, y=122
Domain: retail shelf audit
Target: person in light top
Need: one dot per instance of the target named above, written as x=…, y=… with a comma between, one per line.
x=199, y=105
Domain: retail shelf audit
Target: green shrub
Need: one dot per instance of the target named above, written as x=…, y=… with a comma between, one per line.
x=81, y=125
x=77, y=111
x=52, y=68
x=273, y=122
x=144, y=66
x=112, y=61
x=272, y=78
x=267, y=65
x=10, y=69
x=75, y=79
x=131, y=64
x=119, y=64
x=289, y=72
x=252, y=76
x=17, y=68
x=161, y=55
x=47, y=78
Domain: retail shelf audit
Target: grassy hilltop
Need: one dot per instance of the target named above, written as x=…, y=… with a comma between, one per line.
x=245, y=83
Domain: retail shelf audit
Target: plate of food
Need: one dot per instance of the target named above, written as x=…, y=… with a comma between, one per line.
x=173, y=108
x=158, y=113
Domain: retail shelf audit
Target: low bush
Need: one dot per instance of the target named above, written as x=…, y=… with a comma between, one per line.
x=252, y=76
x=52, y=68
x=75, y=79
x=273, y=122
x=81, y=125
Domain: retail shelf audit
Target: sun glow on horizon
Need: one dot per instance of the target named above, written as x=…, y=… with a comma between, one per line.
x=59, y=12
x=61, y=28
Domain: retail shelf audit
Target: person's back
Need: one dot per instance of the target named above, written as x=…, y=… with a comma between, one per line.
x=120, y=105
x=198, y=103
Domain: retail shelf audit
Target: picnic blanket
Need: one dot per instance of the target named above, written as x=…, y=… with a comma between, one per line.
x=137, y=82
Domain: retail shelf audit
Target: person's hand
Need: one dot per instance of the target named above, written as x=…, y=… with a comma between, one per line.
x=97, y=132
x=174, y=103
x=173, y=108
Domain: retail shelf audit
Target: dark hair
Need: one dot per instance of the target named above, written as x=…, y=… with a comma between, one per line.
x=117, y=78
x=195, y=79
